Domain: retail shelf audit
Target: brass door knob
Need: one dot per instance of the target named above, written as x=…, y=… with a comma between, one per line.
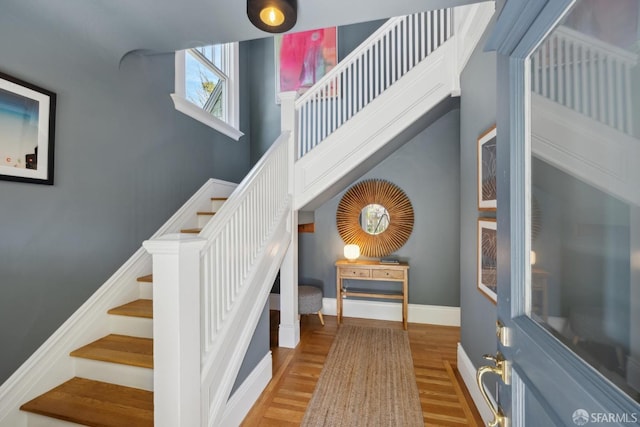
x=502, y=369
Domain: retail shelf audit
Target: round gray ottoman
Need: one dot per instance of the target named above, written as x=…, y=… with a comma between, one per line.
x=310, y=301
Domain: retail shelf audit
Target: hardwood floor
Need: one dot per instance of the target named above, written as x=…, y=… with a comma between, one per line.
x=445, y=400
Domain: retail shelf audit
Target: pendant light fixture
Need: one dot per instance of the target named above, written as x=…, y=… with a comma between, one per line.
x=273, y=16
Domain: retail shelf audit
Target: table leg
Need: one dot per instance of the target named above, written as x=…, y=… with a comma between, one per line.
x=405, y=301
x=339, y=299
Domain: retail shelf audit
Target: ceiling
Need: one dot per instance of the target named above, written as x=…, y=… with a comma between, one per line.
x=122, y=26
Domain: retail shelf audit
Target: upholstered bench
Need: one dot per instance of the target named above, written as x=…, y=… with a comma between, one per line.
x=310, y=301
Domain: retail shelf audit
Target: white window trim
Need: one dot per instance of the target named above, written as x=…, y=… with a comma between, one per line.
x=230, y=128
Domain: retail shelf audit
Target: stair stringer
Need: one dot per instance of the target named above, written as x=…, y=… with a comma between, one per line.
x=51, y=364
x=386, y=117
x=585, y=148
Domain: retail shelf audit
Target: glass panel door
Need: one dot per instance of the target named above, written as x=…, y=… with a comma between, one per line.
x=585, y=188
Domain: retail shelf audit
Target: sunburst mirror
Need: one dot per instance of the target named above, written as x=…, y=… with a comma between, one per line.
x=375, y=215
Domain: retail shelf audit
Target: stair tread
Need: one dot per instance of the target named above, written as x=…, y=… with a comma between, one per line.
x=123, y=349
x=219, y=198
x=145, y=279
x=95, y=403
x=137, y=308
x=203, y=213
x=191, y=230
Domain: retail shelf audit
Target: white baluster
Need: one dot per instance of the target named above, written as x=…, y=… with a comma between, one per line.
x=585, y=92
x=576, y=76
x=442, y=27
x=620, y=104
x=593, y=84
x=403, y=49
x=424, y=36
x=429, y=32
x=628, y=106
x=562, y=73
x=610, y=93
x=411, y=36
x=602, y=109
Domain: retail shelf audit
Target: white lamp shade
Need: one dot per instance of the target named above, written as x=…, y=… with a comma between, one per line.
x=351, y=252
x=532, y=257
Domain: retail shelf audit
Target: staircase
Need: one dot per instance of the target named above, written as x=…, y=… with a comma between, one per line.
x=582, y=109
x=109, y=379
x=396, y=77
x=211, y=277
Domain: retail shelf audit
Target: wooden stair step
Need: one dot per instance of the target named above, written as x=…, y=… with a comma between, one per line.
x=137, y=308
x=95, y=403
x=191, y=230
x=145, y=279
x=121, y=349
x=206, y=213
x=217, y=199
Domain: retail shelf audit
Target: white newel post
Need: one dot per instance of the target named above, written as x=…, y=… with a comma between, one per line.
x=176, y=329
x=288, y=111
x=289, y=330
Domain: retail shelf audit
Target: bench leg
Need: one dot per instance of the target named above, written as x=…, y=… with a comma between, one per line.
x=321, y=318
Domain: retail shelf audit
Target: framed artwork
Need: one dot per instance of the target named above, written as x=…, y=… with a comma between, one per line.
x=27, y=125
x=487, y=190
x=487, y=258
x=303, y=58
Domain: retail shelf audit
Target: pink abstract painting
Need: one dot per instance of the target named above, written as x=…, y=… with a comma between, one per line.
x=303, y=58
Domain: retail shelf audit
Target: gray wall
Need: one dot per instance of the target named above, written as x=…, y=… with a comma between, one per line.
x=258, y=348
x=427, y=168
x=125, y=161
x=477, y=114
x=265, y=113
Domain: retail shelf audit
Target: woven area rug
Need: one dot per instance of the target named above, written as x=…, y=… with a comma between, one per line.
x=367, y=380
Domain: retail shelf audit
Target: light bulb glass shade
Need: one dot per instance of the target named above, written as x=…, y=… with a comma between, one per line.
x=532, y=257
x=351, y=252
x=273, y=16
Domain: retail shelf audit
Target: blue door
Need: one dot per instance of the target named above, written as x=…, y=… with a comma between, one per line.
x=568, y=217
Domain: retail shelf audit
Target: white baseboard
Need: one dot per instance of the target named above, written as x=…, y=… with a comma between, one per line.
x=289, y=335
x=468, y=374
x=381, y=310
x=248, y=393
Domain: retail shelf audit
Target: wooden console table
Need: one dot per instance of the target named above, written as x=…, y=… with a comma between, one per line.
x=372, y=270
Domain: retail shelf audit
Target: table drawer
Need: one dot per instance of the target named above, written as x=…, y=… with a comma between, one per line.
x=388, y=274
x=354, y=272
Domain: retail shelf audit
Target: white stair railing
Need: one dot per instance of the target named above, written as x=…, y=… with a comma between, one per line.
x=586, y=75
x=386, y=56
x=210, y=290
x=235, y=240
x=245, y=246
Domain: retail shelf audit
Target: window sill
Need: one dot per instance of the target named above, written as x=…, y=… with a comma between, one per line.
x=186, y=107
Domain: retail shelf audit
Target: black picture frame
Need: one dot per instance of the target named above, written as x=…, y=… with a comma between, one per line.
x=487, y=155
x=27, y=131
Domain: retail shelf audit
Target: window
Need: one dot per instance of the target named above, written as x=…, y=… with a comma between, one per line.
x=206, y=87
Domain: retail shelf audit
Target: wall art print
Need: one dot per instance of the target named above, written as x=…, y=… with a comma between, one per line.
x=488, y=258
x=303, y=58
x=27, y=124
x=487, y=170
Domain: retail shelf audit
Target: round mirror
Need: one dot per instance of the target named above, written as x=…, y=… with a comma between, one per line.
x=374, y=219
x=375, y=215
